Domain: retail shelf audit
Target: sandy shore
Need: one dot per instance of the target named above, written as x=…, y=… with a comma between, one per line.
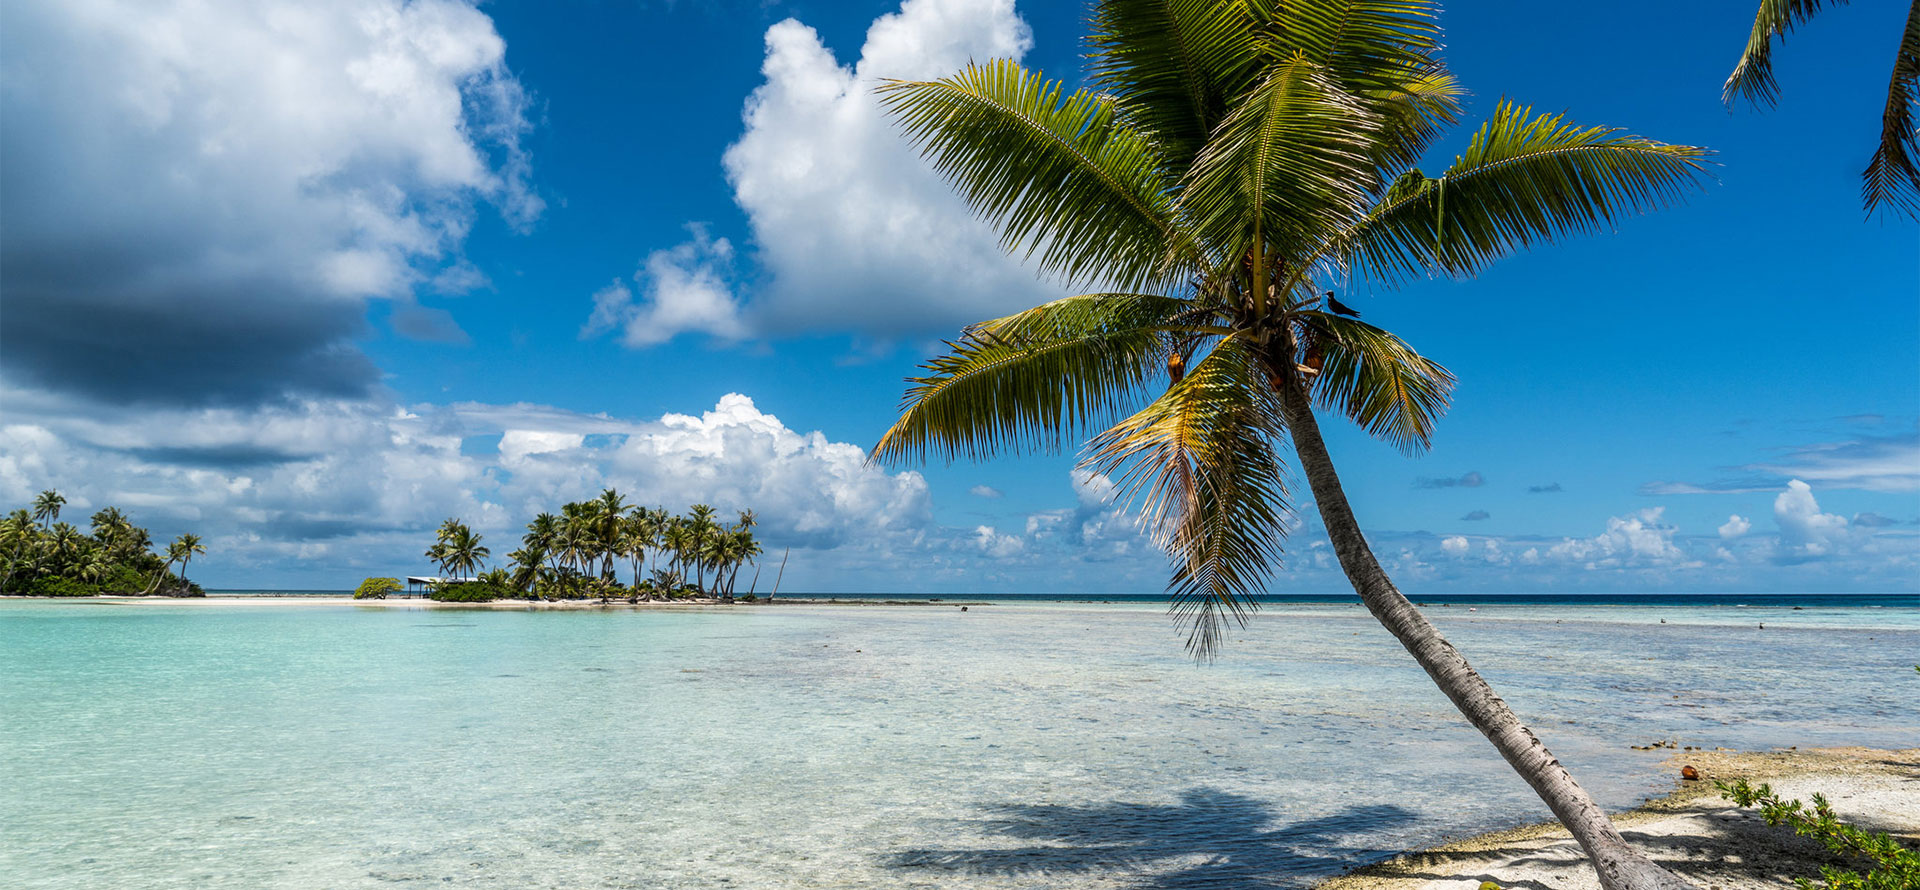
x=1693, y=831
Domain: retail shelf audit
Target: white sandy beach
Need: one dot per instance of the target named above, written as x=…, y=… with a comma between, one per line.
x=1694, y=831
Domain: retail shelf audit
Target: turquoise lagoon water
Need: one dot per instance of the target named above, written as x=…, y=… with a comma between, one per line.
x=241, y=745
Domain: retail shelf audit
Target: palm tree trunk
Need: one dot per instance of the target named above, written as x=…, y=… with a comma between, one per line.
x=1620, y=866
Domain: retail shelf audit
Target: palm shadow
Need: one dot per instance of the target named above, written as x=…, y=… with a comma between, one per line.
x=1210, y=839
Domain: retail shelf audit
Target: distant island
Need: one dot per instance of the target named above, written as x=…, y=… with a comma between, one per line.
x=42, y=556
x=578, y=555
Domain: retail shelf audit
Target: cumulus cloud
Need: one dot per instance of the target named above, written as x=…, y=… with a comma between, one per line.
x=986, y=491
x=202, y=209
x=350, y=484
x=1454, y=545
x=1640, y=539
x=1805, y=532
x=1735, y=526
x=1471, y=479
x=685, y=289
x=851, y=227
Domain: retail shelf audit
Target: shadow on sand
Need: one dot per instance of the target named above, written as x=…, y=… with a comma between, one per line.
x=1210, y=839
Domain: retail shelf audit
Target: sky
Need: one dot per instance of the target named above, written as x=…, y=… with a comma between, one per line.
x=308, y=278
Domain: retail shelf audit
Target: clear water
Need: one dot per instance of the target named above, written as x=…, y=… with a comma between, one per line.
x=1012, y=745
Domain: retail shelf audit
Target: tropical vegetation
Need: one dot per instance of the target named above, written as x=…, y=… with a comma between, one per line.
x=1892, y=177
x=581, y=552
x=1890, y=865
x=43, y=556
x=1230, y=164
x=376, y=588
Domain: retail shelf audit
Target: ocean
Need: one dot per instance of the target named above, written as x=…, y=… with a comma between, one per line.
x=1015, y=744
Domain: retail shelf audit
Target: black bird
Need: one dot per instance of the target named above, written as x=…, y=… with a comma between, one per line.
x=1340, y=308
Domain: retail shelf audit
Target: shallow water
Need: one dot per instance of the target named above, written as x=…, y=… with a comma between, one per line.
x=1012, y=745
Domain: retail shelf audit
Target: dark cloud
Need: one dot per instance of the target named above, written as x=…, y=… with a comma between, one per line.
x=1477, y=515
x=181, y=231
x=245, y=343
x=1471, y=479
x=1549, y=488
x=219, y=457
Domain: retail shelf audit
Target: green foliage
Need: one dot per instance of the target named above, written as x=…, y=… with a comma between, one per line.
x=468, y=592
x=376, y=588
x=42, y=556
x=55, y=585
x=1894, y=867
x=1231, y=161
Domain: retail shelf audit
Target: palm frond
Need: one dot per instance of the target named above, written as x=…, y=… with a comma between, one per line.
x=1523, y=179
x=1033, y=381
x=1060, y=176
x=1176, y=65
x=1289, y=162
x=1892, y=178
x=1752, y=77
x=1377, y=380
x=1211, y=490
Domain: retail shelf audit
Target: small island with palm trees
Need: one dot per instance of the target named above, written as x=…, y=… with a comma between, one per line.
x=579, y=553
x=42, y=556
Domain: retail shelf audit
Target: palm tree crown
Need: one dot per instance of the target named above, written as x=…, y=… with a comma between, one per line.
x=1230, y=160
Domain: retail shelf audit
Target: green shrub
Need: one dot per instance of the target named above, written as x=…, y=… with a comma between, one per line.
x=468, y=592
x=1895, y=867
x=55, y=585
x=376, y=588
x=124, y=580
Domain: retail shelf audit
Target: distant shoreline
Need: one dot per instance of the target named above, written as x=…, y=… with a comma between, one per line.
x=1750, y=600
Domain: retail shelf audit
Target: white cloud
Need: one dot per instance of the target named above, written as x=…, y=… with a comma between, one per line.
x=852, y=227
x=686, y=290
x=207, y=201
x=986, y=491
x=1735, y=526
x=1805, y=532
x=1636, y=540
x=1454, y=546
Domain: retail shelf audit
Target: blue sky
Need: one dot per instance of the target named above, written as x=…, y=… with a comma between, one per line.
x=308, y=278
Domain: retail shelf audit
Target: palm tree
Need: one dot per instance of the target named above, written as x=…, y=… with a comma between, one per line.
x=188, y=546
x=1228, y=161
x=46, y=507
x=458, y=551
x=702, y=529
x=18, y=538
x=1892, y=177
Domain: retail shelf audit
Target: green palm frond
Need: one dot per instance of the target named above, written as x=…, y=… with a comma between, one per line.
x=1212, y=492
x=1363, y=44
x=1377, y=380
x=1174, y=66
x=1033, y=381
x=1892, y=178
x=1289, y=162
x=1523, y=179
x=1418, y=109
x=1752, y=77
x=1060, y=176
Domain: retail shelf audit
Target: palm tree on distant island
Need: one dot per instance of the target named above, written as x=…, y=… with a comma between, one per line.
x=1227, y=159
x=184, y=549
x=46, y=507
x=1892, y=177
x=457, y=550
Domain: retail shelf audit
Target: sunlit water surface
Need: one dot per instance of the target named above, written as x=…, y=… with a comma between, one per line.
x=1011, y=745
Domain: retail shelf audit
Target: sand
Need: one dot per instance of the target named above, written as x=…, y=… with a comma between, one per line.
x=1693, y=831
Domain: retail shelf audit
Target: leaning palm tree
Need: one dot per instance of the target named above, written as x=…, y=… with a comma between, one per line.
x=189, y=546
x=1892, y=177
x=1228, y=162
